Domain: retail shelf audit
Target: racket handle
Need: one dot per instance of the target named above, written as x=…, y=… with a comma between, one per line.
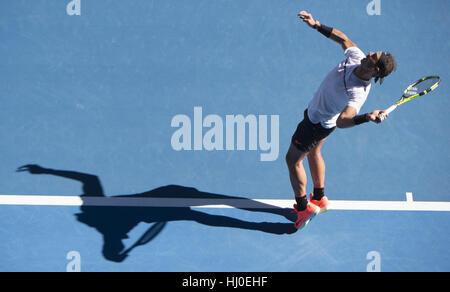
x=383, y=116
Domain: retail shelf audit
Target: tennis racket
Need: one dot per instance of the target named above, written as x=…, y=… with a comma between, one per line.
x=415, y=90
x=154, y=230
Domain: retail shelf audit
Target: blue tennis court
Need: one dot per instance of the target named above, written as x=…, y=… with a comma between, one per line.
x=128, y=113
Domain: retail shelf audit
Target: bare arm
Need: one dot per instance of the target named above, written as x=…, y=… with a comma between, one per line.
x=341, y=38
x=347, y=117
x=336, y=35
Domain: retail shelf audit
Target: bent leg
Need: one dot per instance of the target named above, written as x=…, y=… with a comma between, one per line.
x=317, y=165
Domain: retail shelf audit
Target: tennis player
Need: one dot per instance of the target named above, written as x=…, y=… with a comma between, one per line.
x=336, y=103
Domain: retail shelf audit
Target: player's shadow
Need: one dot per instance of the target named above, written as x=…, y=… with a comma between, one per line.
x=161, y=205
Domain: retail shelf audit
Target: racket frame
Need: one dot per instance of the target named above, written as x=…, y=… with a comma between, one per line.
x=404, y=99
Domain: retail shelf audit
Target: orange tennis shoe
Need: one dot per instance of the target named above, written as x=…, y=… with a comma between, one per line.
x=323, y=204
x=303, y=217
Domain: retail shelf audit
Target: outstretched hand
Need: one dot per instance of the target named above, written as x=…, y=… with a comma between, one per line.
x=307, y=18
x=31, y=168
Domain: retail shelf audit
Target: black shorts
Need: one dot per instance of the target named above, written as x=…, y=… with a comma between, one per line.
x=308, y=134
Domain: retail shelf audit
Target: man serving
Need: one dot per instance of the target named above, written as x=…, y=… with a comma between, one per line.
x=336, y=103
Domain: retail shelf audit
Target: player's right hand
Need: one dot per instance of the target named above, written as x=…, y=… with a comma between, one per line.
x=378, y=116
x=307, y=18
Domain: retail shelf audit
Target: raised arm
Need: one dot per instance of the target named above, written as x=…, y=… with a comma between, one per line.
x=91, y=183
x=332, y=33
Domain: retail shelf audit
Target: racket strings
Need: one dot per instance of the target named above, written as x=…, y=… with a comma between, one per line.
x=421, y=86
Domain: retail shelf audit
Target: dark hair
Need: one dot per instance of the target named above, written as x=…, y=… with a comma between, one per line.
x=387, y=65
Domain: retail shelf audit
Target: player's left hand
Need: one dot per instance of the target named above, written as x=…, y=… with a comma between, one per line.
x=307, y=18
x=31, y=168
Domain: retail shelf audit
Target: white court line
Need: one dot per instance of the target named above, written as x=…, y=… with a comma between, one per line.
x=408, y=205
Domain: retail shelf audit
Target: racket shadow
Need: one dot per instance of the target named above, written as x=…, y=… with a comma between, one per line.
x=161, y=205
